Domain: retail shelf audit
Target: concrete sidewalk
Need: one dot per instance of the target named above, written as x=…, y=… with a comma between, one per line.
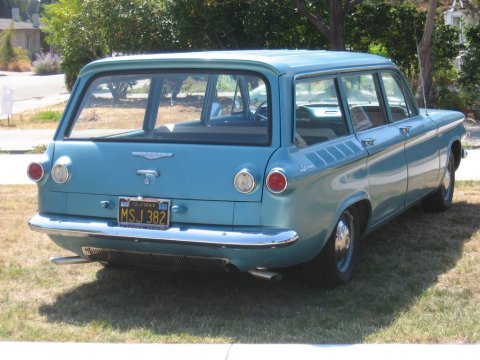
x=23, y=141
x=83, y=351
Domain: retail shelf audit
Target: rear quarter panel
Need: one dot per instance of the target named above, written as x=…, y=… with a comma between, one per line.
x=451, y=129
x=323, y=180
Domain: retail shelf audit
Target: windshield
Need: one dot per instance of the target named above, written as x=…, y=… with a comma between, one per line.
x=192, y=107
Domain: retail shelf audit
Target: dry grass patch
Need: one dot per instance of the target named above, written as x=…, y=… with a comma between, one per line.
x=417, y=282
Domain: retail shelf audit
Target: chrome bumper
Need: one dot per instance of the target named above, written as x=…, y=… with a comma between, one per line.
x=71, y=226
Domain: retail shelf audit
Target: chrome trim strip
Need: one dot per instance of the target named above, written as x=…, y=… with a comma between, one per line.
x=90, y=227
x=148, y=173
x=331, y=72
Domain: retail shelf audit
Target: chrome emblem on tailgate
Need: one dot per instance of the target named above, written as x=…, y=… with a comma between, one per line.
x=152, y=155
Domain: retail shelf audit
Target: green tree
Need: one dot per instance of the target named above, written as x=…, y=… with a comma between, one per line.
x=86, y=30
x=328, y=17
x=69, y=29
x=208, y=24
x=470, y=75
x=389, y=26
x=129, y=26
x=240, y=24
x=277, y=24
x=7, y=53
x=397, y=29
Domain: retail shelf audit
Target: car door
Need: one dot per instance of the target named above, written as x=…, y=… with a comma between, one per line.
x=386, y=165
x=420, y=132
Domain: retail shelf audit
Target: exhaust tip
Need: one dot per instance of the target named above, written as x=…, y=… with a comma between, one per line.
x=69, y=260
x=264, y=274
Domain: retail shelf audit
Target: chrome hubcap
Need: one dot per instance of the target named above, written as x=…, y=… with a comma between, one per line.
x=344, y=242
x=447, y=181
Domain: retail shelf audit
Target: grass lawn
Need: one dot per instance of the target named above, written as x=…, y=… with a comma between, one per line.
x=417, y=282
x=46, y=118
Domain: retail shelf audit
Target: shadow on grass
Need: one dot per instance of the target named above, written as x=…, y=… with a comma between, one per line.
x=398, y=263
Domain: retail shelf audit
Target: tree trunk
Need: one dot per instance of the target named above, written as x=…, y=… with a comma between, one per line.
x=426, y=56
x=337, y=25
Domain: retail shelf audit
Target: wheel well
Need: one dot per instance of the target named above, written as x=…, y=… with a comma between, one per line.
x=362, y=211
x=457, y=153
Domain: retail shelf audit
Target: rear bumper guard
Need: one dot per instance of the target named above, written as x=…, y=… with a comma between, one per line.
x=89, y=227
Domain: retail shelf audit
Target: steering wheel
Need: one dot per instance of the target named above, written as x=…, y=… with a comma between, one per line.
x=261, y=113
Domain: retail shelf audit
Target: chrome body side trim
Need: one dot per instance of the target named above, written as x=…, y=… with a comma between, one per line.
x=75, y=226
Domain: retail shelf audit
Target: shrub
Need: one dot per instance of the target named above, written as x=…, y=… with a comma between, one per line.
x=47, y=64
x=447, y=95
x=23, y=65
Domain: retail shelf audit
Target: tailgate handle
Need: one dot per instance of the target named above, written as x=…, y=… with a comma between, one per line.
x=148, y=173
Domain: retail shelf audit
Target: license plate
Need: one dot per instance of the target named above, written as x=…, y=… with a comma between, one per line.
x=144, y=213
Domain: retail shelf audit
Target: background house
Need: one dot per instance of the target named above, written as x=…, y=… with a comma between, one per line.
x=460, y=15
x=26, y=35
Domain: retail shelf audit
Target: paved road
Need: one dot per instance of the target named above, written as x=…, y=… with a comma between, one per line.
x=32, y=91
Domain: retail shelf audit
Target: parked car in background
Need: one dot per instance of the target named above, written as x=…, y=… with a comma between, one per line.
x=240, y=161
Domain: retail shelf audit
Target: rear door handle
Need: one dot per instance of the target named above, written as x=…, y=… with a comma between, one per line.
x=368, y=142
x=405, y=130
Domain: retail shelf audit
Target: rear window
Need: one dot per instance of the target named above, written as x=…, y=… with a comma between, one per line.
x=191, y=107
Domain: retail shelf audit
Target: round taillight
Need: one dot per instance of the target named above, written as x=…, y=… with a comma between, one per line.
x=60, y=173
x=244, y=181
x=35, y=171
x=276, y=181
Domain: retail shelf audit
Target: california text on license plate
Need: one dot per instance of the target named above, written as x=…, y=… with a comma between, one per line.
x=144, y=212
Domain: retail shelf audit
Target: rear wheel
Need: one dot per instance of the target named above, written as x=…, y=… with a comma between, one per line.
x=336, y=262
x=441, y=199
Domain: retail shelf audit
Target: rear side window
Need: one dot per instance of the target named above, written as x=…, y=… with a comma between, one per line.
x=319, y=116
x=363, y=98
x=399, y=103
x=191, y=107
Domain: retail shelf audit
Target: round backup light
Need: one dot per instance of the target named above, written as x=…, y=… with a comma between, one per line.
x=35, y=171
x=60, y=173
x=276, y=181
x=244, y=182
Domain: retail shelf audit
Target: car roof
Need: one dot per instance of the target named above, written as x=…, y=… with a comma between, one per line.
x=277, y=61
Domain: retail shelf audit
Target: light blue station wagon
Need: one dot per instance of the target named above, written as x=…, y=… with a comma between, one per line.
x=240, y=160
